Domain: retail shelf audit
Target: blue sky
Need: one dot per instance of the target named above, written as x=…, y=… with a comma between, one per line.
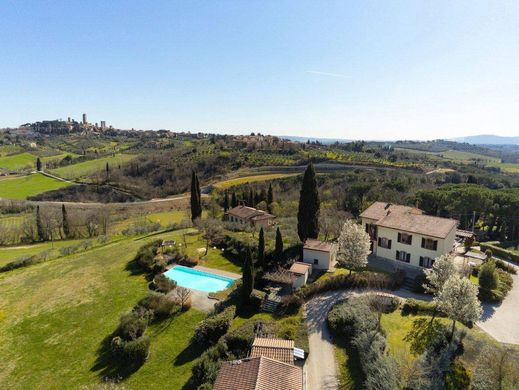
x=339, y=69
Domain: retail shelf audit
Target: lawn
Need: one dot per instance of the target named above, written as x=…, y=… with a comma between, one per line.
x=17, y=162
x=250, y=179
x=87, y=168
x=25, y=186
x=8, y=254
x=55, y=315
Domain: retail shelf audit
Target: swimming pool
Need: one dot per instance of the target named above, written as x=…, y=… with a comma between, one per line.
x=198, y=280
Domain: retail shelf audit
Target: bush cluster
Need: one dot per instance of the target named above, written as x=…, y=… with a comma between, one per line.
x=163, y=284
x=145, y=257
x=414, y=306
x=213, y=327
x=356, y=280
x=501, y=252
x=355, y=320
x=494, y=283
x=290, y=304
x=141, y=228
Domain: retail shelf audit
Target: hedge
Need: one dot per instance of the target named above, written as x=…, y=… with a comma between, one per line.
x=212, y=328
x=350, y=281
x=501, y=252
x=414, y=306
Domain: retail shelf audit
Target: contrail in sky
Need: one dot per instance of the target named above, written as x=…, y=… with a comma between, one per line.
x=342, y=76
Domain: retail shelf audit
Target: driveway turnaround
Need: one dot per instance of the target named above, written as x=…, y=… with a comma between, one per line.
x=502, y=322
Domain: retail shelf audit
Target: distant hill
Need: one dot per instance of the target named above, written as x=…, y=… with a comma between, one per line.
x=488, y=139
x=324, y=141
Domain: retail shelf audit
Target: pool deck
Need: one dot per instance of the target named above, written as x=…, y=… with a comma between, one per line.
x=230, y=275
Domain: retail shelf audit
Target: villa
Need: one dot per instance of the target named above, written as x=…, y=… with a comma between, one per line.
x=405, y=234
x=249, y=216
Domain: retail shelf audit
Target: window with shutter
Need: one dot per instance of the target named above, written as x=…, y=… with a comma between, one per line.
x=399, y=237
x=408, y=257
x=423, y=242
x=421, y=261
x=398, y=255
x=389, y=244
x=435, y=245
x=379, y=241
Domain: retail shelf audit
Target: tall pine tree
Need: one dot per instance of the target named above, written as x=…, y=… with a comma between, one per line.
x=309, y=204
x=261, y=249
x=247, y=277
x=64, y=221
x=279, y=246
x=39, y=225
x=196, y=197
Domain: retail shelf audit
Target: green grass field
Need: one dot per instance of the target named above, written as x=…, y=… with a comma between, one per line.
x=506, y=167
x=8, y=254
x=453, y=155
x=250, y=179
x=17, y=162
x=87, y=168
x=25, y=186
x=55, y=315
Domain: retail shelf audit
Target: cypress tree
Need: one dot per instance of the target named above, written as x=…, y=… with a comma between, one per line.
x=234, y=200
x=196, y=206
x=107, y=169
x=261, y=249
x=309, y=204
x=279, y=246
x=226, y=201
x=270, y=195
x=251, y=198
x=38, y=164
x=247, y=277
x=64, y=222
x=39, y=225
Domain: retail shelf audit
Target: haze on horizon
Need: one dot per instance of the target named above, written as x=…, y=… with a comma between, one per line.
x=339, y=69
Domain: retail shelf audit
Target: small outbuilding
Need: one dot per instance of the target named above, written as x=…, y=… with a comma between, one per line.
x=301, y=271
x=321, y=255
x=249, y=216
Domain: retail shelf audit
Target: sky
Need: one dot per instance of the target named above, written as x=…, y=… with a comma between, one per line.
x=336, y=69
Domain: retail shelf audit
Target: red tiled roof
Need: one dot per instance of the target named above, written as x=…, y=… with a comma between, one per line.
x=300, y=268
x=409, y=219
x=258, y=373
x=277, y=349
x=317, y=245
x=246, y=212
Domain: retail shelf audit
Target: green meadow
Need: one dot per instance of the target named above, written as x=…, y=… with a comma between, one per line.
x=25, y=186
x=87, y=168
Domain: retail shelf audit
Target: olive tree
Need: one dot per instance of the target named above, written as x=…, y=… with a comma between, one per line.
x=458, y=300
x=354, y=246
x=442, y=269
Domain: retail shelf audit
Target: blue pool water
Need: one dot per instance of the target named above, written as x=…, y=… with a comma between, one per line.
x=198, y=280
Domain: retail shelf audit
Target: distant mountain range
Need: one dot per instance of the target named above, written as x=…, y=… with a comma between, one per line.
x=488, y=139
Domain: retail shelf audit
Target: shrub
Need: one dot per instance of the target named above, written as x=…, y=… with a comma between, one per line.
x=212, y=328
x=132, y=351
x=132, y=326
x=487, y=276
x=187, y=261
x=414, y=306
x=163, y=284
x=505, y=266
x=351, y=317
x=504, y=284
x=357, y=280
x=159, y=305
x=146, y=255
x=290, y=304
x=239, y=341
x=206, y=368
x=501, y=252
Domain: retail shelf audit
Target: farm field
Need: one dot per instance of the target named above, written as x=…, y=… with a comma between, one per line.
x=25, y=186
x=90, y=167
x=17, y=162
x=453, y=155
x=250, y=179
x=92, y=289
x=8, y=254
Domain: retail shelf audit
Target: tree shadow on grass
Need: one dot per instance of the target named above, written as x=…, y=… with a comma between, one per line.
x=423, y=333
x=190, y=353
x=107, y=367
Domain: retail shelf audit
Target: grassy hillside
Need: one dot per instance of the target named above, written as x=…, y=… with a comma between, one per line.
x=17, y=161
x=90, y=167
x=25, y=186
x=506, y=167
x=54, y=317
x=251, y=179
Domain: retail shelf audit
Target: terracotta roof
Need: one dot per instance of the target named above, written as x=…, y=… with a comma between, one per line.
x=277, y=349
x=317, y=245
x=421, y=224
x=246, y=212
x=379, y=210
x=300, y=268
x=259, y=373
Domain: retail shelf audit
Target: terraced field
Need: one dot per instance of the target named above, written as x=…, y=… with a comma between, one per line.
x=90, y=167
x=22, y=187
